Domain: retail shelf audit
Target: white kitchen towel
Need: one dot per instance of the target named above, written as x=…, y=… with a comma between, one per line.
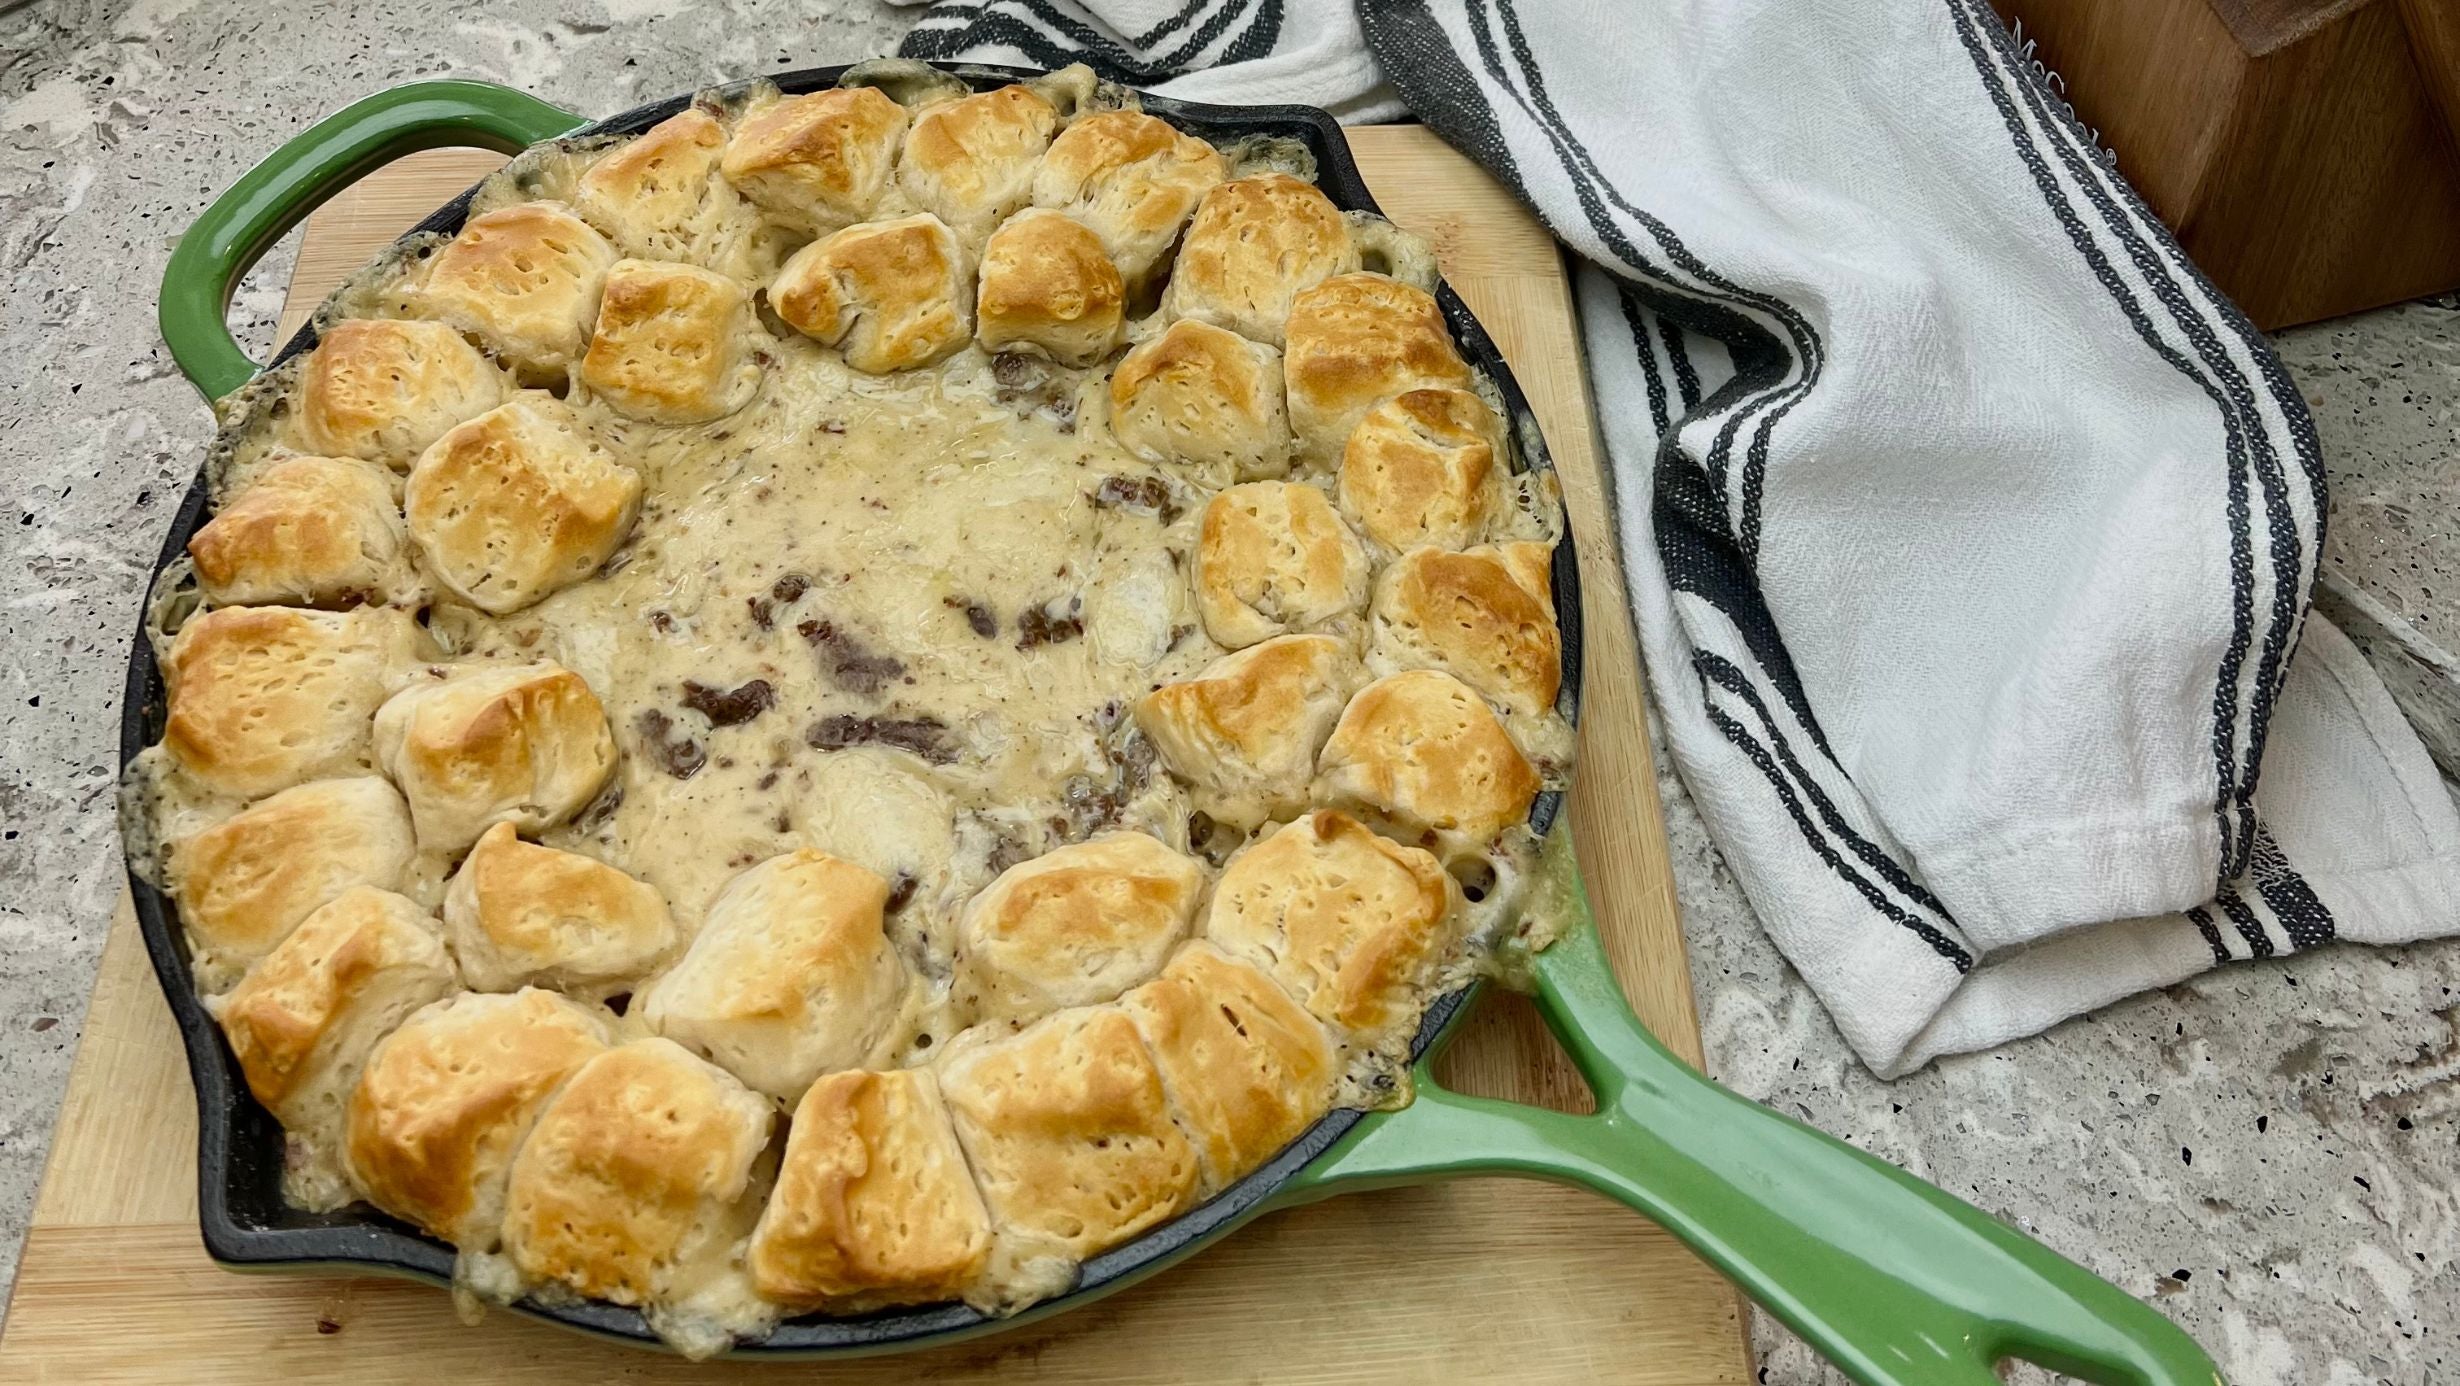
x=1969, y=530
x=1236, y=52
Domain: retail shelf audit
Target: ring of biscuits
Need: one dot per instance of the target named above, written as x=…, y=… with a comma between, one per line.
x=852, y=700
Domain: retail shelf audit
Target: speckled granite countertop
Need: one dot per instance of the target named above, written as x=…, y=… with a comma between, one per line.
x=2272, y=1151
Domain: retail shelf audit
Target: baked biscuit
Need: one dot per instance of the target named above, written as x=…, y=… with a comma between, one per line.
x=790, y=977
x=1243, y=733
x=308, y=531
x=671, y=344
x=1069, y=1134
x=1273, y=559
x=873, y=1204
x=1203, y=397
x=518, y=504
x=1246, y=1067
x=524, y=281
x=382, y=389
x=1353, y=342
x=1076, y=926
x=654, y=196
x=1422, y=468
x=444, y=1102
x=637, y=1183
x=1254, y=243
x=517, y=914
x=869, y=805
x=243, y=884
x=265, y=697
x=818, y=161
x=304, y=1019
x=1485, y=616
x=1133, y=179
x=970, y=162
x=1048, y=288
x=479, y=745
x=892, y=295
x=1423, y=750
x=1351, y=923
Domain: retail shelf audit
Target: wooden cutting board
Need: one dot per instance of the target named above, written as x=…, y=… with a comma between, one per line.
x=1479, y=1280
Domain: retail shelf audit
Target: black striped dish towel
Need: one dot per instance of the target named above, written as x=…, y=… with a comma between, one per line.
x=1969, y=530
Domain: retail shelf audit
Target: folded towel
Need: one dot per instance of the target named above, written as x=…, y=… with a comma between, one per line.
x=1236, y=52
x=1969, y=530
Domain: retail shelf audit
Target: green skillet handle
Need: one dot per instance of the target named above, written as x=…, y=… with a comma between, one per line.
x=326, y=158
x=1898, y=1283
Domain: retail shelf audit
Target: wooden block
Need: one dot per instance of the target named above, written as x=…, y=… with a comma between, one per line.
x=1484, y=1280
x=2303, y=150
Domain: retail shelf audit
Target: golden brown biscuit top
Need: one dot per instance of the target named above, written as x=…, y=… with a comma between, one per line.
x=873, y=1199
x=892, y=292
x=1046, y=280
x=445, y=1099
x=837, y=907
x=1197, y=358
x=479, y=724
x=1253, y=245
x=791, y=975
x=315, y=530
x=243, y=883
x=1425, y=750
x=645, y=290
x=1419, y=467
x=519, y=252
x=1247, y=693
x=287, y=1005
x=381, y=389
x=1273, y=558
x=524, y=280
x=1078, y=925
x=538, y=887
x=518, y=503
x=1350, y=920
x=539, y=912
x=670, y=342
x=1247, y=1068
x=1356, y=340
x=1069, y=1131
x=1098, y=146
x=1486, y=615
x=1131, y=177
x=973, y=158
x=656, y=181
x=1205, y=397
x=523, y=743
x=643, y=1145
x=262, y=698
x=1242, y=735
x=819, y=159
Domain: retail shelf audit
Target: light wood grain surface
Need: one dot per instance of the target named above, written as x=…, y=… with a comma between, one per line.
x=1484, y=1280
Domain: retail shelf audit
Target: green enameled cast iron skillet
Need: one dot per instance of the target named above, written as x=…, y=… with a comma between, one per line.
x=1895, y=1281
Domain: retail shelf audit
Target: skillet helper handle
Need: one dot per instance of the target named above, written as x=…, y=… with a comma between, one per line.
x=1898, y=1283
x=294, y=180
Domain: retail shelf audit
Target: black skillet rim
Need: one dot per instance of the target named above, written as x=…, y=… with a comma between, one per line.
x=244, y=1221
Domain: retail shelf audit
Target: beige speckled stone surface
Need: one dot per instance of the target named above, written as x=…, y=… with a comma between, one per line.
x=2385, y=391
x=2271, y=1151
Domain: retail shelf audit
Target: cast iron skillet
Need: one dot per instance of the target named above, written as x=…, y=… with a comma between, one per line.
x=1897, y=1282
